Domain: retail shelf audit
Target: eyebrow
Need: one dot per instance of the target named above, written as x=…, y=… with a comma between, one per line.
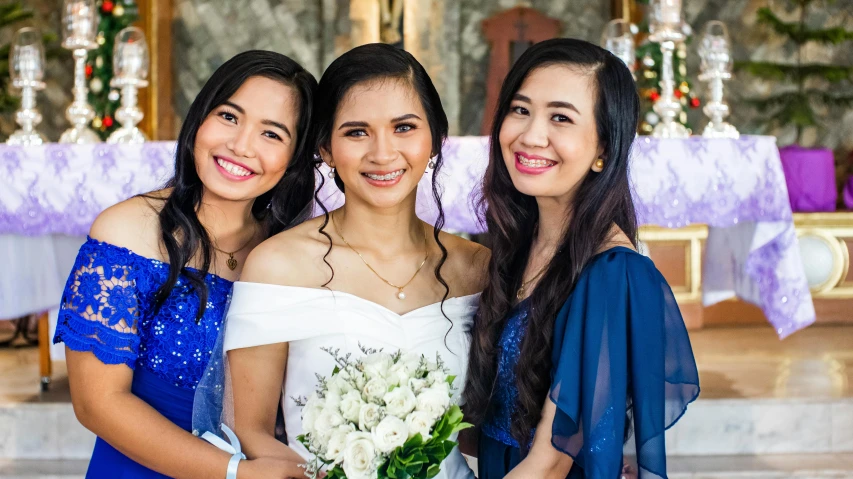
x=552, y=104
x=364, y=124
x=263, y=122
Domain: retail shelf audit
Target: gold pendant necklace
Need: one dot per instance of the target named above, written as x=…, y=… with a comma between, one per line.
x=401, y=295
x=519, y=295
x=231, y=262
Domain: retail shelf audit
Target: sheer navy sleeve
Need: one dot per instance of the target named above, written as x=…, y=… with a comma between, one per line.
x=620, y=344
x=100, y=305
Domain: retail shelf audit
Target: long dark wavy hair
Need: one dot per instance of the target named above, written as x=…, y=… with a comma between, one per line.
x=285, y=205
x=602, y=200
x=379, y=61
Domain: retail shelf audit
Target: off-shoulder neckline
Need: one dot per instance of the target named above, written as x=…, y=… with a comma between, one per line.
x=207, y=275
x=332, y=293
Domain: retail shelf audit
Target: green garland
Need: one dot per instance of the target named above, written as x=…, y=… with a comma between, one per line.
x=796, y=104
x=114, y=16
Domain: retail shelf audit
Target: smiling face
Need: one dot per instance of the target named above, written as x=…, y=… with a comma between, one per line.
x=380, y=143
x=549, y=138
x=243, y=147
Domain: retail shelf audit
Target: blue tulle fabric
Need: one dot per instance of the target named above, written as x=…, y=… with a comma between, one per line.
x=108, y=309
x=620, y=345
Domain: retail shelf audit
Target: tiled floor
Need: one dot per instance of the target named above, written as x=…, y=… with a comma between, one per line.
x=753, y=363
x=733, y=363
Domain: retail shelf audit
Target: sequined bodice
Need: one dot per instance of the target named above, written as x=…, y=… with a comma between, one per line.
x=497, y=426
x=108, y=308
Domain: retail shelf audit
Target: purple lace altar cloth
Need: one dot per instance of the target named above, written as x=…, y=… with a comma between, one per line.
x=737, y=187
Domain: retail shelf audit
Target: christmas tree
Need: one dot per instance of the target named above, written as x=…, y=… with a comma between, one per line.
x=807, y=82
x=648, y=82
x=114, y=16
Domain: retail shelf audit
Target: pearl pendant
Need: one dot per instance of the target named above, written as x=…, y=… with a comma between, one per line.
x=401, y=295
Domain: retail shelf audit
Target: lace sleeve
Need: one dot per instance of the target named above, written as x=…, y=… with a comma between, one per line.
x=100, y=308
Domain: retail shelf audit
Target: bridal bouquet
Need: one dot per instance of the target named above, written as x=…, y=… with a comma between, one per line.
x=381, y=416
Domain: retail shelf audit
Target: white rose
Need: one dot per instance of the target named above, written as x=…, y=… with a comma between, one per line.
x=369, y=416
x=360, y=456
x=416, y=384
x=333, y=400
x=437, y=377
x=376, y=365
x=433, y=401
x=351, y=405
x=390, y=434
x=375, y=389
x=442, y=386
x=420, y=422
x=400, y=402
x=350, y=372
x=403, y=369
x=313, y=407
x=339, y=384
x=338, y=443
x=329, y=419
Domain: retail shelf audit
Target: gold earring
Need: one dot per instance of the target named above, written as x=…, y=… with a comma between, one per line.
x=599, y=164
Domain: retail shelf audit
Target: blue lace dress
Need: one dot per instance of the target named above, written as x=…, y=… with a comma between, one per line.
x=619, y=340
x=108, y=309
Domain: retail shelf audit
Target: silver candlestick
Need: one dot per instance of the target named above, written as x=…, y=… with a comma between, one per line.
x=130, y=65
x=618, y=39
x=666, y=29
x=716, y=67
x=26, y=67
x=79, y=32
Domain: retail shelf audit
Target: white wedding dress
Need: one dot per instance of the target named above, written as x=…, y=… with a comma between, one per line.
x=310, y=319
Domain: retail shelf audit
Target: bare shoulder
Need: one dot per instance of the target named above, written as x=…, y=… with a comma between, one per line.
x=133, y=224
x=617, y=238
x=290, y=258
x=467, y=264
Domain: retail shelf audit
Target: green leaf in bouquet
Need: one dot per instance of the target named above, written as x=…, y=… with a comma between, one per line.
x=336, y=370
x=336, y=473
x=462, y=426
x=433, y=471
x=415, y=441
x=450, y=380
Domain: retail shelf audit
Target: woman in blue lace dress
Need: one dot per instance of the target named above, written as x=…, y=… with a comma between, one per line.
x=578, y=341
x=143, y=305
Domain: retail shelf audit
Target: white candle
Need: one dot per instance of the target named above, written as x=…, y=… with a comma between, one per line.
x=131, y=60
x=670, y=11
x=28, y=62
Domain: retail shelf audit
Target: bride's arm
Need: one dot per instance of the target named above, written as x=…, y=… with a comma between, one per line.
x=257, y=374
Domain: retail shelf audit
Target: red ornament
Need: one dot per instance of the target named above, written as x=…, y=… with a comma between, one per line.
x=678, y=94
x=694, y=103
x=108, y=121
x=653, y=96
x=107, y=6
x=88, y=71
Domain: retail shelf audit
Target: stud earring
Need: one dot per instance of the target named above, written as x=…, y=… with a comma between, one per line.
x=599, y=164
x=332, y=173
x=431, y=164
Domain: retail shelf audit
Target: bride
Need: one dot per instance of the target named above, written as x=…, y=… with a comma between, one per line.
x=368, y=274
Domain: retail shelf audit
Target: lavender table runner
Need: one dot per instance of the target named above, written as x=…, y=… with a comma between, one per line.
x=737, y=187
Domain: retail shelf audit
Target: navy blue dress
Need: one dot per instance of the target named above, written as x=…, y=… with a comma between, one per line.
x=108, y=309
x=619, y=336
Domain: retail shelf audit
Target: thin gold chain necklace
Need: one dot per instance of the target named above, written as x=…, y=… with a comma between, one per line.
x=519, y=295
x=400, y=294
x=231, y=262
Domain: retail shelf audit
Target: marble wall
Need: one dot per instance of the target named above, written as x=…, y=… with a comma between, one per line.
x=758, y=43
x=448, y=41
